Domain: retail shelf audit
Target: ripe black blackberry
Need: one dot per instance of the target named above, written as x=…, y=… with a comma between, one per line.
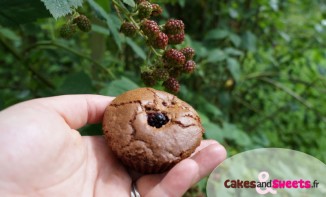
x=172, y=84
x=83, y=23
x=157, y=119
x=128, y=29
x=67, y=31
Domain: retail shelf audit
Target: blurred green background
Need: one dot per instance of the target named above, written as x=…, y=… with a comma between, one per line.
x=260, y=80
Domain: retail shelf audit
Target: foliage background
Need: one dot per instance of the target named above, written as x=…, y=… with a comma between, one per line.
x=260, y=81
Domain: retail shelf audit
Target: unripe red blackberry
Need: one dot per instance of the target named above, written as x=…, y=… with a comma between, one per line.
x=156, y=10
x=128, y=29
x=150, y=28
x=173, y=26
x=172, y=85
x=160, y=41
x=176, y=38
x=144, y=9
x=67, y=31
x=188, y=52
x=148, y=78
x=173, y=57
x=83, y=23
x=161, y=74
x=189, y=66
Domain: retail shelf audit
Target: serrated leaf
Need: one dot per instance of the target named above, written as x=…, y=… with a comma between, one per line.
x=216, y=55
x=139, y=51
x=59, y=8
x=234, y=68
x=217, y=34
x=130, y=2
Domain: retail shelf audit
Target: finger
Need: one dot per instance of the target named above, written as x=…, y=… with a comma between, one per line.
x=77, y=110
x=204, y=144
x=189, y=171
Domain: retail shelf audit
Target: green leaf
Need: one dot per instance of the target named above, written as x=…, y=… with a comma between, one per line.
x=60, y=8
x=119, y=86
x=235, y=39
x=100, y=29
x=16, y=12
x=230, y=131
x=76, y=83
x=249, y=41
x=130, y=2
x=234, y=68
x=233, y=51
x=111, y=20
x=213, y=131
x=216, y=55
x=8, y=33
x=217, y=34
x=139, y=51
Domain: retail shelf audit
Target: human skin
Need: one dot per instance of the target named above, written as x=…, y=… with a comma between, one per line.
x=43, y=154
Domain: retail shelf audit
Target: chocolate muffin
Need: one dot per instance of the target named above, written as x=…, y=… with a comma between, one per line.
x=150, y=131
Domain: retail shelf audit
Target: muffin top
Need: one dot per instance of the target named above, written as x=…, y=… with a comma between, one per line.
x=151, y=126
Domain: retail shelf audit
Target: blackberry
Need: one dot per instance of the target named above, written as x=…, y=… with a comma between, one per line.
x=150, y=28
x=157, y=119
x=148, y=78
x=176, y=38
x=161, y=74
x=189, y=66
x=172, y=85
x=67, y=31
x=175, y=72
x=188, y=52
x=128, y=29
x=173, y=57
x=173, y=26
x=156, y=10
x=160, y=41
x=144, y=9
x=83, y=23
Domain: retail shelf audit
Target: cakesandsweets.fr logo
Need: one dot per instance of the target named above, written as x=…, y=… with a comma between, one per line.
x=268, y=172
x=264, y=185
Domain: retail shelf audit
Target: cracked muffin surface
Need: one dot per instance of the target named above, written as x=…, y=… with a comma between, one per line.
x=150, y=130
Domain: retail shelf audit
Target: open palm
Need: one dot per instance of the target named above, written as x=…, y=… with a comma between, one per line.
x=42, y=154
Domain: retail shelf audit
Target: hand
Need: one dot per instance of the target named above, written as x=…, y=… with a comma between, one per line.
x=42, y=154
